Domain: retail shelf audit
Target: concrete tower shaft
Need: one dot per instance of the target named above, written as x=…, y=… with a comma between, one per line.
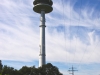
x=42, y=39
x=42, y=7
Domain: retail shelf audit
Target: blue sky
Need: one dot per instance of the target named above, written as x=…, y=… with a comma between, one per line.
x=72, y=35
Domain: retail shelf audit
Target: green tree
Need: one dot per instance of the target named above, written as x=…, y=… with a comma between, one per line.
x=1, y=66
x=49, y=69
x=6, y=70
x=25, y=70
x=34, y=71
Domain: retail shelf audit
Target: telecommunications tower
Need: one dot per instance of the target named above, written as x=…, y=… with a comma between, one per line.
x=42, y=7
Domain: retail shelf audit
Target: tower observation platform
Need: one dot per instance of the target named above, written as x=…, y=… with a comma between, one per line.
x=45, y=5
x=42, y=7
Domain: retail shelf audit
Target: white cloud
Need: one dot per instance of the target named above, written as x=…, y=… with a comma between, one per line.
x=20, y=33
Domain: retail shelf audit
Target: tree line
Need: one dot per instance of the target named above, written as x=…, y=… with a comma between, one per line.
x=47, y=69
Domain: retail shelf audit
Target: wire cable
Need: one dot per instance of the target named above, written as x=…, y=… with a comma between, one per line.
x=96, y=44
x=77, y=30
x=85, y=52
x=70, y=32
x=64, y=27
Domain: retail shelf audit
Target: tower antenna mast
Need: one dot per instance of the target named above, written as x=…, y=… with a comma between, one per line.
x=42, y=7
